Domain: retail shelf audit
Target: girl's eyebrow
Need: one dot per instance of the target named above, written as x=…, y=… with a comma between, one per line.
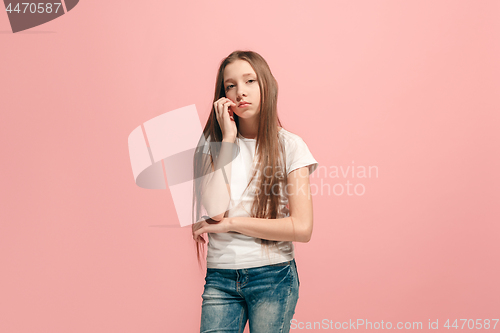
x=242, y=75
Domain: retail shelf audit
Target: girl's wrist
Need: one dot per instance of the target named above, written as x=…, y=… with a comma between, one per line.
x=230, y=224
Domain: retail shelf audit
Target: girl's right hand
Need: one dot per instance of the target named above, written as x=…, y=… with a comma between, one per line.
x=225, y=118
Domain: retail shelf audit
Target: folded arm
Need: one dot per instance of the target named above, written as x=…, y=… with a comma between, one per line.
x=296, y=227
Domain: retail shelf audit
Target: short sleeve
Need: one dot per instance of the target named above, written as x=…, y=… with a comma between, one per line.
x=299, y=155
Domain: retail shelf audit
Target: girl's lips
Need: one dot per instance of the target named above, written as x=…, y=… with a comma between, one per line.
x=244, y=105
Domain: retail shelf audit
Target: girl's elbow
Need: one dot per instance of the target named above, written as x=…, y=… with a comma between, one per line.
x=216, y=217
x=215, y=210
x=306, y=235
x=214, y=214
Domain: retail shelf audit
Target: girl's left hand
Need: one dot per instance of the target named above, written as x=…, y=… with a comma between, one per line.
x=210, y=226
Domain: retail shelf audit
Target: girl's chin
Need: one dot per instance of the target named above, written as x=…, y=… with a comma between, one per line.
x=245, y=114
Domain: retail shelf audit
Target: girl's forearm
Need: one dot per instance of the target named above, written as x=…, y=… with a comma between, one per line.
x=217, y=195
x=285, y=229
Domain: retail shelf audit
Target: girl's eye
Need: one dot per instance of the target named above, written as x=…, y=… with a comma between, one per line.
x=231, y=85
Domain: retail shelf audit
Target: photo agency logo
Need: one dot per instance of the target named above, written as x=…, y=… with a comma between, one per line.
x=26, y=15
x=343, y=180
x=337, y=180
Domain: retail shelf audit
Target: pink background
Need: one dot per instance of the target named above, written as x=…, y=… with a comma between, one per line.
x=411, y=87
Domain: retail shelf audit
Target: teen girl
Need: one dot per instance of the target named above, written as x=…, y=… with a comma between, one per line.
x=252, y=179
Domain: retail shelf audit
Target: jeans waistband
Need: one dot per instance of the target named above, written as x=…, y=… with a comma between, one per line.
x=282, y=263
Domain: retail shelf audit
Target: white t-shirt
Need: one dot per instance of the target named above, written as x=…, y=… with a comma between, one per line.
x=233, y=250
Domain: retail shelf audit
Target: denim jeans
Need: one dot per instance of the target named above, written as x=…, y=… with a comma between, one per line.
x=265, y=296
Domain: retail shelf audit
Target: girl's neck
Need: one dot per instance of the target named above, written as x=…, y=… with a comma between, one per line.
x=248, y=128
x=252, y=135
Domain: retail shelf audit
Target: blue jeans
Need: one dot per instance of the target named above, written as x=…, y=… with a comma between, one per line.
x=265, y=296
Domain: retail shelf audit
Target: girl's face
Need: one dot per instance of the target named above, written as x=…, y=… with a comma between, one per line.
x=241, y=86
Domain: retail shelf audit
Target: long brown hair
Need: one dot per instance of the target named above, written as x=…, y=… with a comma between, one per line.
x=269, y=184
